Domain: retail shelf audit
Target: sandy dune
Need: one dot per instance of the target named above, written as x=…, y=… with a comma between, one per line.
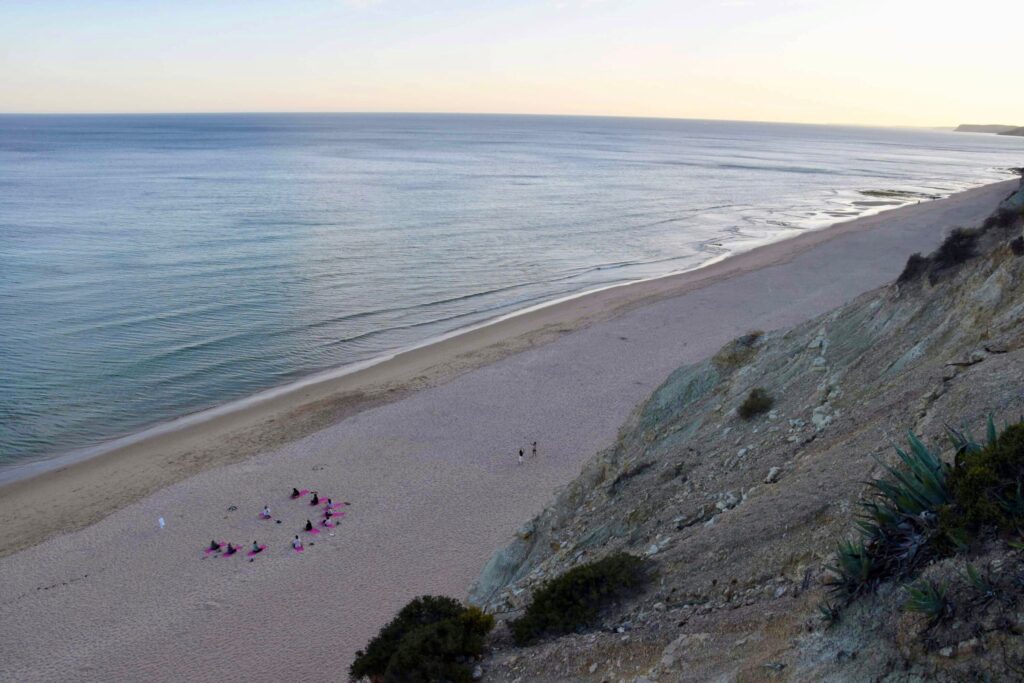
x=432, y=479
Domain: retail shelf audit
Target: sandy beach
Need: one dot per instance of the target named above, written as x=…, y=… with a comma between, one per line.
x=423, y=446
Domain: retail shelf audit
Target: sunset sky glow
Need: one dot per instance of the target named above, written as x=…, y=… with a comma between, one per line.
x=899, y=62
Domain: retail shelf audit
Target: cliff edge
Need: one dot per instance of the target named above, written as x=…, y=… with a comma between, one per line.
x=739, y=519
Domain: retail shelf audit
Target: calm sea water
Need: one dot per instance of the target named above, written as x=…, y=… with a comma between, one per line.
x=151, y=266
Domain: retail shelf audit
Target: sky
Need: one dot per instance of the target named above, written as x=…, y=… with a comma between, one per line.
x=871, y=62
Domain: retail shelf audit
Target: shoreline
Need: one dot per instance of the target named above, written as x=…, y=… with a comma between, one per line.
x=431, y=474
x=40, y=464
x=241, y=428
x=37, y=465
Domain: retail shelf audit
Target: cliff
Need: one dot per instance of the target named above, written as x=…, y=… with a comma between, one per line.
x=740, y=518
x=983, y=128
x=1014, y=131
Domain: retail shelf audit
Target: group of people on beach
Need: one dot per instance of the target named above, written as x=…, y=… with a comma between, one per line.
x=330, y=511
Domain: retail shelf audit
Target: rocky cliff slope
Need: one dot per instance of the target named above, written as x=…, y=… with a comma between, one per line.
x=740, y=518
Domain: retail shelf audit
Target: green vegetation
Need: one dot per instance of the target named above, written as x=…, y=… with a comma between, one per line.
x=830, y=614
x=758, y=401
x=916, y=266
x=430, y=639
x=959, y=246
x=986, y=484
x=738, y=352
x=574, y=600
x=930, y=599
x=926, y=509
x=982, y=584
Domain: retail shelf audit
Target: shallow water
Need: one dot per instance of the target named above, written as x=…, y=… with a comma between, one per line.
x=151, y=266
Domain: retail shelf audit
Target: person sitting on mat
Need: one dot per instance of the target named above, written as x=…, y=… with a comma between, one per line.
x=256, y=547
x=316, y=499
x=309, y=525
x=296, y=543
x=295, y=493
x=231, y=550
x=266, y=512
x=214, y=545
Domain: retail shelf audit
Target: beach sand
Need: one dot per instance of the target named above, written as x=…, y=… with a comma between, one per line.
x=423, y=446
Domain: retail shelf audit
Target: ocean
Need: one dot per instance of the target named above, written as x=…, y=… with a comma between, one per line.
x=152, y=266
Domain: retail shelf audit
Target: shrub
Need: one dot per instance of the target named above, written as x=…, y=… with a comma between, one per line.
x=916, y=266
x=758, y=401
x=986, y=484
x=574, y=599
x=439, y=652
x=958, y=247
x=428, y=640
x=738, y=352
x=1017, y=246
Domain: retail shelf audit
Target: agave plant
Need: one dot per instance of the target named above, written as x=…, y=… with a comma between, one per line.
x=899, y=524
x=830, y=613
x=931, y=600
x=918, y=488
x=855, y=571
x=982, y=584
x=964, y=442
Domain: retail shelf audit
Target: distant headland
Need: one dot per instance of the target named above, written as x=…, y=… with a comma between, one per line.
x=998, y=129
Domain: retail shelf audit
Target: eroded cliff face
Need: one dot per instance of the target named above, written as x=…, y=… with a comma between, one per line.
x=741, y=518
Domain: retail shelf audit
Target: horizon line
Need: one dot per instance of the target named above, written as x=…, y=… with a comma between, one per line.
x=457, y=113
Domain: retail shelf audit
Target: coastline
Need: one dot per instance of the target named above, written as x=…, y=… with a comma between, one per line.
x=425, y=457
x=175, y=450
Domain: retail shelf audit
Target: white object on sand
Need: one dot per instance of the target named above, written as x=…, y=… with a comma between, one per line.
x=160, y=522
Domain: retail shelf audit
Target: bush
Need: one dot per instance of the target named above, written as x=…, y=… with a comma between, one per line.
x=738, y=352
x=958, y=247
x=758, y=401
x=429, y=640
x=574, y=599
x=986, y=484
x=916, y=266
x=1017, y=246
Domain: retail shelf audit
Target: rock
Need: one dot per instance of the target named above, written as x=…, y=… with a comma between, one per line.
x=773, y=475
x=780, y=591
x=967, y=647
x=478, y=672
x=946, y=651
x=659, y=607
x=652, y=550
x=727, y=501
x=821, y=416
x=593, y=667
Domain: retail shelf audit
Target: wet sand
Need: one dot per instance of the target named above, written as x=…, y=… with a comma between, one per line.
x=423, y=446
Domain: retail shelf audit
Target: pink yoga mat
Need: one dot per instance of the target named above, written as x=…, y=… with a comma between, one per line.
x=302, y=492
x=253, y=553
x=211, y=550
x=328, y=523
x=313, y=531
x=298, y=550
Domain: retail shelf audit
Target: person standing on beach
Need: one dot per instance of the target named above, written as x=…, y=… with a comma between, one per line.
x=534, y=455
x=520, y=456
